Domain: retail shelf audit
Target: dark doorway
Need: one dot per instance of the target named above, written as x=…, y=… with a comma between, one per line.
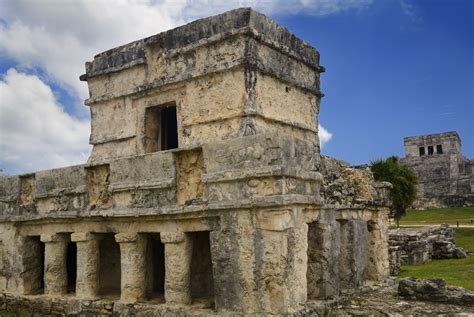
x=71, y=265
x=33, y=265
x=422, y=151
x=161, y=128
x=430, y=150
x=439, y=149
x=109, y=265
x=202, y=281
x=155, y=268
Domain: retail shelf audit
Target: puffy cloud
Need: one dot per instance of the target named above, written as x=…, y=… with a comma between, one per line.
x=35, y=132
x=60, y=37
x=324, y=136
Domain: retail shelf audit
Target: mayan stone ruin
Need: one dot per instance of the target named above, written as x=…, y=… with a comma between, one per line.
x=205, y=192
x=446, y=177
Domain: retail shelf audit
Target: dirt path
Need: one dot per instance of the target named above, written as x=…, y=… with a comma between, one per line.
x=439, y=224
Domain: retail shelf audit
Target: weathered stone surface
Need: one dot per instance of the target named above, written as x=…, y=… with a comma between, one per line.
x=378, y=266
x=420, y=245
x=205, y=193
x=384, y=300
x=55, y=272
x=87, y=264
x=354, y=253
x=446, y=177
x=132, y=261
x=324, y=244
x=434, y=290
x=178, y=251
x=395, y=260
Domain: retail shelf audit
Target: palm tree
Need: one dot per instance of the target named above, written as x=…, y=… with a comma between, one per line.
x=403, y=179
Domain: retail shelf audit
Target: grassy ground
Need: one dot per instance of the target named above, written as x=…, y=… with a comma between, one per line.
x=463, y=215
x=459, y=272
x=465, y=239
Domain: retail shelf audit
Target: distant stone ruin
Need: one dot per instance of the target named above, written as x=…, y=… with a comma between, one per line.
x=205, y=193
x=446, y=177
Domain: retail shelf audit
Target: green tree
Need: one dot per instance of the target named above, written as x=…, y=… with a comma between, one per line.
x=403, y=179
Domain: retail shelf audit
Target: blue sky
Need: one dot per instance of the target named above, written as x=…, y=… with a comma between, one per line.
x=395, y=68
x=393, y=71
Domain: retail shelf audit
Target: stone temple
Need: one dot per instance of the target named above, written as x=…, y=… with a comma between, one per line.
x=205, y=192
x=446, y=177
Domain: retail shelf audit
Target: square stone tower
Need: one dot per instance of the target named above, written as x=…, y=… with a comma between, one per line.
x=446, y=177
x=205, y=193
x=232, y=75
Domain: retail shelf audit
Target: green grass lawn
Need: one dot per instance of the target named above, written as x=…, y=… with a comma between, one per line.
x=459, y=272
x=442, y=215
x=464, y=238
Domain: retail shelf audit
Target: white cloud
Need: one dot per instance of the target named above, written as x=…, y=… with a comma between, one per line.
x=35, y=132
x=324, y=136
x=60, y=37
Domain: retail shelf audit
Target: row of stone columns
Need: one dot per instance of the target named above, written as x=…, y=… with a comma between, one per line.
x=341, y=253
x=178, y=253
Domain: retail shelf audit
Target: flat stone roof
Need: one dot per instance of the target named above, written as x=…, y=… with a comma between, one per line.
x=202, y=32
x=434, y=135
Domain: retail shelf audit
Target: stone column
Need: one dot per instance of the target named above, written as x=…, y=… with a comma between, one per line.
x=280, y=250
x=55, y=266
x=132, y=263
x=178, y=253
x=298, y=264
x=354, y=253
x=87, y=264
x=233, y=259
x=378, y=266
x=323, y=254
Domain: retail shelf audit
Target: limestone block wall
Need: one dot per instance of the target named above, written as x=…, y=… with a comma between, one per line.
x=236, y=78
x=274, y=239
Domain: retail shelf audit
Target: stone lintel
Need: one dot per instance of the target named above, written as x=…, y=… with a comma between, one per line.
x=172, y=237
x=275, y=220
x=54, y=237
x=127, y=237
x=84, y=236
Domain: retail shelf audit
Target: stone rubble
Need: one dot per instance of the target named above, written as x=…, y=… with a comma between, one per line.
x=434, y=290
x=384, y=300
x=420, y=245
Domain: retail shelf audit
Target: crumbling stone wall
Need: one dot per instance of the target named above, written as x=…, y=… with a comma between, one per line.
x=250, y=218
x=420, y=245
